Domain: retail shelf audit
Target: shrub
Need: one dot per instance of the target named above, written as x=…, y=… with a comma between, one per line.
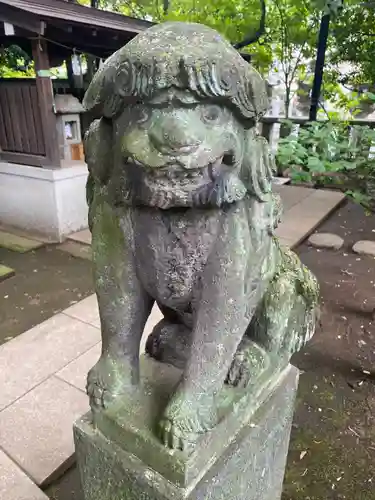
x=332, y=152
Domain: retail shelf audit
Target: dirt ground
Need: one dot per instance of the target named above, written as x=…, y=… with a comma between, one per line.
x=332, y=449
x=46, y=282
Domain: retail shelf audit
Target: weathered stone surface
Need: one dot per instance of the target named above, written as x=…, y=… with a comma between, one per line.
x=243, y=460
x=365, y=247
x=326, y=240
x=182, y=212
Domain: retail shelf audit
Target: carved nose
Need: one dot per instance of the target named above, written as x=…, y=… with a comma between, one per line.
x=172, y=138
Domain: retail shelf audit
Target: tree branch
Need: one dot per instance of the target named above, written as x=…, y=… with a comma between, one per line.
x=259, y=32
x=298, y=60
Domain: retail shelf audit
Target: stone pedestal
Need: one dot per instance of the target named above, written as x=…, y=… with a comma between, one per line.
x=243, y=458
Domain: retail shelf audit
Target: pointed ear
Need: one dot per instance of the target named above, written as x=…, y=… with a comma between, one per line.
x=258, y=166
x=98, y=146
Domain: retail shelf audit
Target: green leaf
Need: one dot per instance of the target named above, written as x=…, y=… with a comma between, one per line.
x=315, y=165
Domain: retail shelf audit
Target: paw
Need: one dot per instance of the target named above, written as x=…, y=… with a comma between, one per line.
x=249, y=362
x=185, y=420
x=106, y=381
x=169, y=343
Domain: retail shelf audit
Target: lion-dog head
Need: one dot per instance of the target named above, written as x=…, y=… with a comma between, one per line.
x=178, y=108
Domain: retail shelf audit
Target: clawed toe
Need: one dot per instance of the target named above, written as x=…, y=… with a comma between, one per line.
x=96, y=394
x=172, y=437
x=106, y=382
x=186, y=418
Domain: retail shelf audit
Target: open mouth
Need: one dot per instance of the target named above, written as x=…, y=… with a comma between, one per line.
x=178, y=172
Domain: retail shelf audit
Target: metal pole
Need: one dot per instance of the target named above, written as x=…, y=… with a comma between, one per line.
x=319, y=66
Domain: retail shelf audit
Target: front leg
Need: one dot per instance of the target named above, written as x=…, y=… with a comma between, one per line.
x=124, y=307
x=226, y=306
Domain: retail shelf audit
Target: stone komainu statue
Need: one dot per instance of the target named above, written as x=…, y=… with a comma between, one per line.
x=182, y=214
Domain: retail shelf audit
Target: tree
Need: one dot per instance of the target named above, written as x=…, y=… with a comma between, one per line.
x=289, y=38
x=353, y=42
x=14, y=62
x=294, y=30
x=289, y=31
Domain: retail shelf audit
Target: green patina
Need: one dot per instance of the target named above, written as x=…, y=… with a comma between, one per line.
x=182, y=213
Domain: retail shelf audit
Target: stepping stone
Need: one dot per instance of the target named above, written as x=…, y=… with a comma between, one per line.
x=76, y=249
x=83, y=236
x=18, y=243
x=14, y=484
x=365, y=247
x=5, y=272
x=326, y=240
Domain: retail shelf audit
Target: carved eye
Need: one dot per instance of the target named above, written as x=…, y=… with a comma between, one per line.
x=210, y=114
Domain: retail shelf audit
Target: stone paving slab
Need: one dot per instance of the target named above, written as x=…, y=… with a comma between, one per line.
x=304, y=216
x=75, y=373
x=86, y=310
x=292, y=195
x=83, y=236
x=45, y=392
x=76, y=249
x=36, y=431
x=18, y=243
x=14, y=484
x=6, y=272
x=40, y=352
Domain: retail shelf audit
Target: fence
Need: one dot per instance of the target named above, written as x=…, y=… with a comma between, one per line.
x=22, y=131
x=21, y=128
